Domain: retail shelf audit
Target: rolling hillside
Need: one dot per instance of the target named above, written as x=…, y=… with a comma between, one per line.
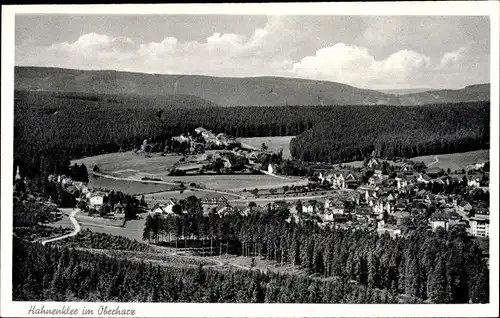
x=55, y=99
x=472, y=93
x=268, y=91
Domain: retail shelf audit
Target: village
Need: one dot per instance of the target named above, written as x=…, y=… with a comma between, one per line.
x=385, y=203
x=382, y=196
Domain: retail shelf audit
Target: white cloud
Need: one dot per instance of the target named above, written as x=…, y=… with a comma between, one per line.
x=225, y=54
x=355, y=65
x=452, y=58
x=277, y=49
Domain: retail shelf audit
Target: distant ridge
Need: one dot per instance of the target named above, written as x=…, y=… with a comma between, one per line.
x=229, y=91
x=404, y=91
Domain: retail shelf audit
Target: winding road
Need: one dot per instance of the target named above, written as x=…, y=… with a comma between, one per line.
x=75, y=231
x=436, y=160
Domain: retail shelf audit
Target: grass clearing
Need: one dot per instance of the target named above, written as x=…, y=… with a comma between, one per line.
x=236, y=182
x=133, y=228
x=130, y=187
x=455, y=161
x=129, y=163
x=274, y=143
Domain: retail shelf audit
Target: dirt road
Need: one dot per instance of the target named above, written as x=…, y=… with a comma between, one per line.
x=75, y=231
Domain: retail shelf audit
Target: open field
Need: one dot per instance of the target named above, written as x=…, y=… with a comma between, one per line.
x=455, y=161
x=223, y=182
x=133, y=229
x=233, y=182
x=90, y=220
x=274, y=143
x=130, y=187
x=129, y=163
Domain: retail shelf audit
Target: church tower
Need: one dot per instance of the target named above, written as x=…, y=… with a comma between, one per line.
x=18, y=176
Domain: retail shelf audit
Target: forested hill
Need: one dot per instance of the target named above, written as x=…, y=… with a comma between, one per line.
x=54, y=100
x=472, y=93
x=49, y=131
x=354, y=133
x=225, y=91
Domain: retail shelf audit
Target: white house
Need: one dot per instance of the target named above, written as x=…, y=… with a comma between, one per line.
x=381, y=206
x=157, y=209
x=402, y=182
x=168, y=209
x=373, y=163
x=423, y=178
x=272, y=168
x=338, y=181
x=308, y=208
x=474, y=181
x=480, y=164
x=181, y=139
x=336, y=206
x=96, y=200
x=321, y=177
x=227, y=163
x=439, y=220
x=163, y=209
x=480, y=225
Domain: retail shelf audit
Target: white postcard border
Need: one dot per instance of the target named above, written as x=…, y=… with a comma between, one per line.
x=20, y=309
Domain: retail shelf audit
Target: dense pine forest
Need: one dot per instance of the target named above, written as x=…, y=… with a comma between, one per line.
x=353, y=133
x=442, y=267
x=344, y=267
x=338, y=265
x=51, y=129
x=44, y=273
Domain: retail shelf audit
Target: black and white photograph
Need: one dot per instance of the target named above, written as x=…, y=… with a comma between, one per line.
x=249, y=156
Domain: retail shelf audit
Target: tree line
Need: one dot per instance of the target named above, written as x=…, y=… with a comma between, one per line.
x=392, y=132
x=442, y=267
x=50, y=130
x=48, y=273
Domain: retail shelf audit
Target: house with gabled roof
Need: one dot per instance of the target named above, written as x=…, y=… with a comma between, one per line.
x=338, y=181
x=368, y=192
x=351, y=181
x=401, y=181
x=407, y=168
x=335, y=205
x=373, y=163
x=424, y=178
x=382, y=205
x=96, y=199
x=439, y=220
x=434, y=172
x=226, y=210
x=400, y=216
x=157, y=209
x=308, y=208
x=119, y=208
x=474, y=181
x=214, y=201
x=464, y=207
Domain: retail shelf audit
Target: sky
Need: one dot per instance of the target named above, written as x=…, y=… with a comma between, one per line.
x=377, y=52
